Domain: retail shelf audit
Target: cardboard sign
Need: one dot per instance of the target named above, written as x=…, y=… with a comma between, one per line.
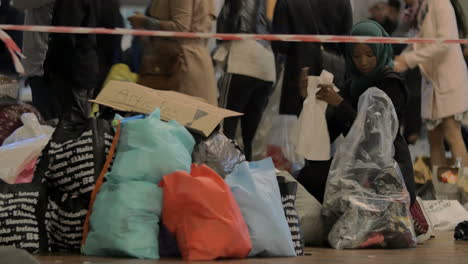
x=189, y=111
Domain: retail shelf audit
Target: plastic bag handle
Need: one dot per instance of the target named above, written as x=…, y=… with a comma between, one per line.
x=100, y=181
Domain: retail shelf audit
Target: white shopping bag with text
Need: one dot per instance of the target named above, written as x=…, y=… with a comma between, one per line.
x=445, y=215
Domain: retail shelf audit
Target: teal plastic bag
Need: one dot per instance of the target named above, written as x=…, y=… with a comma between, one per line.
x=124, y=222
x=256, y=190
x=125, y=215
x=150, y=148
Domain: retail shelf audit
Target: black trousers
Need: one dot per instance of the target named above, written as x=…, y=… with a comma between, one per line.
x=249, y=96
x=314, y=178
x=412, y=118
x=70, y=96
x=43, y=97
x=465, y=135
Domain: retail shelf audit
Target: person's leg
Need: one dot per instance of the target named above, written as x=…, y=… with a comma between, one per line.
x=436, y=141
x=452, y=134
x=42, y=97
x=314, y=178
x=238, y=96
x=413, y=120
x=253, y=113
x=465, y=136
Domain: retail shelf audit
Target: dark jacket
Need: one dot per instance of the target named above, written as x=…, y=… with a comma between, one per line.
x=83, y=61
x=341, y=118
x=243, y=16
x=325, y=17
x=10, y=16
x=72, y=63
x=109, y=46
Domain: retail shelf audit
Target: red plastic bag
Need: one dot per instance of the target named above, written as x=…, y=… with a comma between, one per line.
x=201, y=211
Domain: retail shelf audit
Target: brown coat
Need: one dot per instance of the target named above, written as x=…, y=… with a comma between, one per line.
x=182, y=65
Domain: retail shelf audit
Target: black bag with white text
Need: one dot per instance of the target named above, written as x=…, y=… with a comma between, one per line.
x=22, y=213
x=288, y=197
x=71, y=163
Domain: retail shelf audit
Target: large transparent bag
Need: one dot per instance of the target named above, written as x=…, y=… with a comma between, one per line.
x=275, y=134
x=281, y=147
x=269, y=115
x=366, y=201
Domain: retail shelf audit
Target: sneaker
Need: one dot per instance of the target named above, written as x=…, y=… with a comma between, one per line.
x=422, y=224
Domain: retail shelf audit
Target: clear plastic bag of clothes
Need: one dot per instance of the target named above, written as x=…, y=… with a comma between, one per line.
x=366, y=202
x=281, y=147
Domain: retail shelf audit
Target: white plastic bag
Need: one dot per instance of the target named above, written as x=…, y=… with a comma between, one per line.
x=445, y=215
x=21, y=150
x=313, y=139
x=31, y=128
x=14, y=158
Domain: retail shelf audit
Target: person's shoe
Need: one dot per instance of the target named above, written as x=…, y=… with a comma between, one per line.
x=422, y=224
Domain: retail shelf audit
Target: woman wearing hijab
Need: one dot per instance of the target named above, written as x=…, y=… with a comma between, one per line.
x=445, y=75
x=369, y=65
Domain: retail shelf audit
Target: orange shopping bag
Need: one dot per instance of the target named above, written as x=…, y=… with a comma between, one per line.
x=201, y=211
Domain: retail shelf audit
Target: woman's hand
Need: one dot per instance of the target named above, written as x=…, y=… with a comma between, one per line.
x=304, y=82
x=328, y=94
x=138, y=20
x=400, y=64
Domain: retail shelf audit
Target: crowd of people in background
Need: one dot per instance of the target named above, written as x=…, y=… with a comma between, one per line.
x=427, y=83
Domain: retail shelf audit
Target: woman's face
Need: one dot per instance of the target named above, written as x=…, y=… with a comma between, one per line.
x=364, y=58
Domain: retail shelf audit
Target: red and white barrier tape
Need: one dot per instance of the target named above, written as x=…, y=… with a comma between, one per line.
x=15, y=51
x=285, y=38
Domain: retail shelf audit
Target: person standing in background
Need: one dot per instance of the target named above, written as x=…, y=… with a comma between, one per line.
x=250, y=67
x=72, y=63
x=379, y=13
x=270, y=9
x=386, y=14
x=10, y=16
x=181, y=65
x=38, y=12
x=109, y=47
x=361, y=9
x=394, y=11
x=331, y=17
x=212, y=42
x=445, y=74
